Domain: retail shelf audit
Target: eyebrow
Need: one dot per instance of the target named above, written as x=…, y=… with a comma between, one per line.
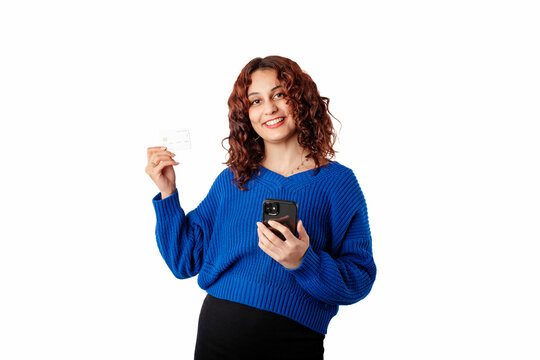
x=256, y=93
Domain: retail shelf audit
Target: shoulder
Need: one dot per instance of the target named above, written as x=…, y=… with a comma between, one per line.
x=341, y=175
x=223, y=178
x=346, y=189
x=224, y=175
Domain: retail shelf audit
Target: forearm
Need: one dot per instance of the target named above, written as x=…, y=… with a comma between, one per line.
x=179, y=240
x=341, y=281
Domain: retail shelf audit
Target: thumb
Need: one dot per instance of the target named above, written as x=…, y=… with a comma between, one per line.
x=302, y=234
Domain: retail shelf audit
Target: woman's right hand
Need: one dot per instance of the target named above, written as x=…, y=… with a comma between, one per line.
x=160, y=169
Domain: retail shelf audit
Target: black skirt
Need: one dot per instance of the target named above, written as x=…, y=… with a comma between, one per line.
x=229, y=330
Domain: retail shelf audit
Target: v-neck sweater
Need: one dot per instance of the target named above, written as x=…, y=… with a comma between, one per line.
x=218, y=241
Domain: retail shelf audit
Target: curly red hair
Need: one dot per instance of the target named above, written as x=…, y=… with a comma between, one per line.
x=310, y=110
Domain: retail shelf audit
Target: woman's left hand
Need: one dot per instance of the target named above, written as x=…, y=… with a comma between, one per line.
x=288, y=253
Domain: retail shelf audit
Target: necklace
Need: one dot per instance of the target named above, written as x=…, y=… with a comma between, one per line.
x=299, y=166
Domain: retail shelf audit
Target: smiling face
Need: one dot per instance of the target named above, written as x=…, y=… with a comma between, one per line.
x=269, y=113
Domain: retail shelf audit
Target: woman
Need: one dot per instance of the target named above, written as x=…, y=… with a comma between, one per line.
x=269, y=298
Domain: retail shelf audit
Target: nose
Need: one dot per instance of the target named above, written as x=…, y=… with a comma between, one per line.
x=269, y=108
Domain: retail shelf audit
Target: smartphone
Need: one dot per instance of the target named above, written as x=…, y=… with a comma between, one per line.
x=283, y=211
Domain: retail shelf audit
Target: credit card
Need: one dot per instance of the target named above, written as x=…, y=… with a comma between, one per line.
x=175, y=140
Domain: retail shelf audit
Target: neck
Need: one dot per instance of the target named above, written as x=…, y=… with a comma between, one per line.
x=283, y=157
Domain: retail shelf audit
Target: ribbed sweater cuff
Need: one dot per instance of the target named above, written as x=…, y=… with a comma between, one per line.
x=309, y=268
x=167, y=207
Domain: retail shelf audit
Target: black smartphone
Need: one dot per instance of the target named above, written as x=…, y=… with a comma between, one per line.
x=283, y=211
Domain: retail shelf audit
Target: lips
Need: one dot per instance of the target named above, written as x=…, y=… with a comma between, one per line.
x=274, y=122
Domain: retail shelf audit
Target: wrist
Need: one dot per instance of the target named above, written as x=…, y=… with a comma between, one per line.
x=165, y=194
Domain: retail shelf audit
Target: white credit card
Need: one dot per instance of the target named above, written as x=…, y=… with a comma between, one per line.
x=175, y=140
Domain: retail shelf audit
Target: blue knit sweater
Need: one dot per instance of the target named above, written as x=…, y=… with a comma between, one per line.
x=218, y=240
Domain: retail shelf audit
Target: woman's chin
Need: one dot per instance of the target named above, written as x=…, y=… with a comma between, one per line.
x=279, y=138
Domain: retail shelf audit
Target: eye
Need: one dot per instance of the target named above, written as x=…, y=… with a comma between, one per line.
x=255, y=102
x=279, y=95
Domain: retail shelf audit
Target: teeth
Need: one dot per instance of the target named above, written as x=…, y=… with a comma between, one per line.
x=273, y=122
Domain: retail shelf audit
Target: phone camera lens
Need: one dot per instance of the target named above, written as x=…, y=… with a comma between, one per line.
x=272, y=208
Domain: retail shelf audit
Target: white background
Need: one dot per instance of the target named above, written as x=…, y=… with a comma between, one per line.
x=437, y=102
